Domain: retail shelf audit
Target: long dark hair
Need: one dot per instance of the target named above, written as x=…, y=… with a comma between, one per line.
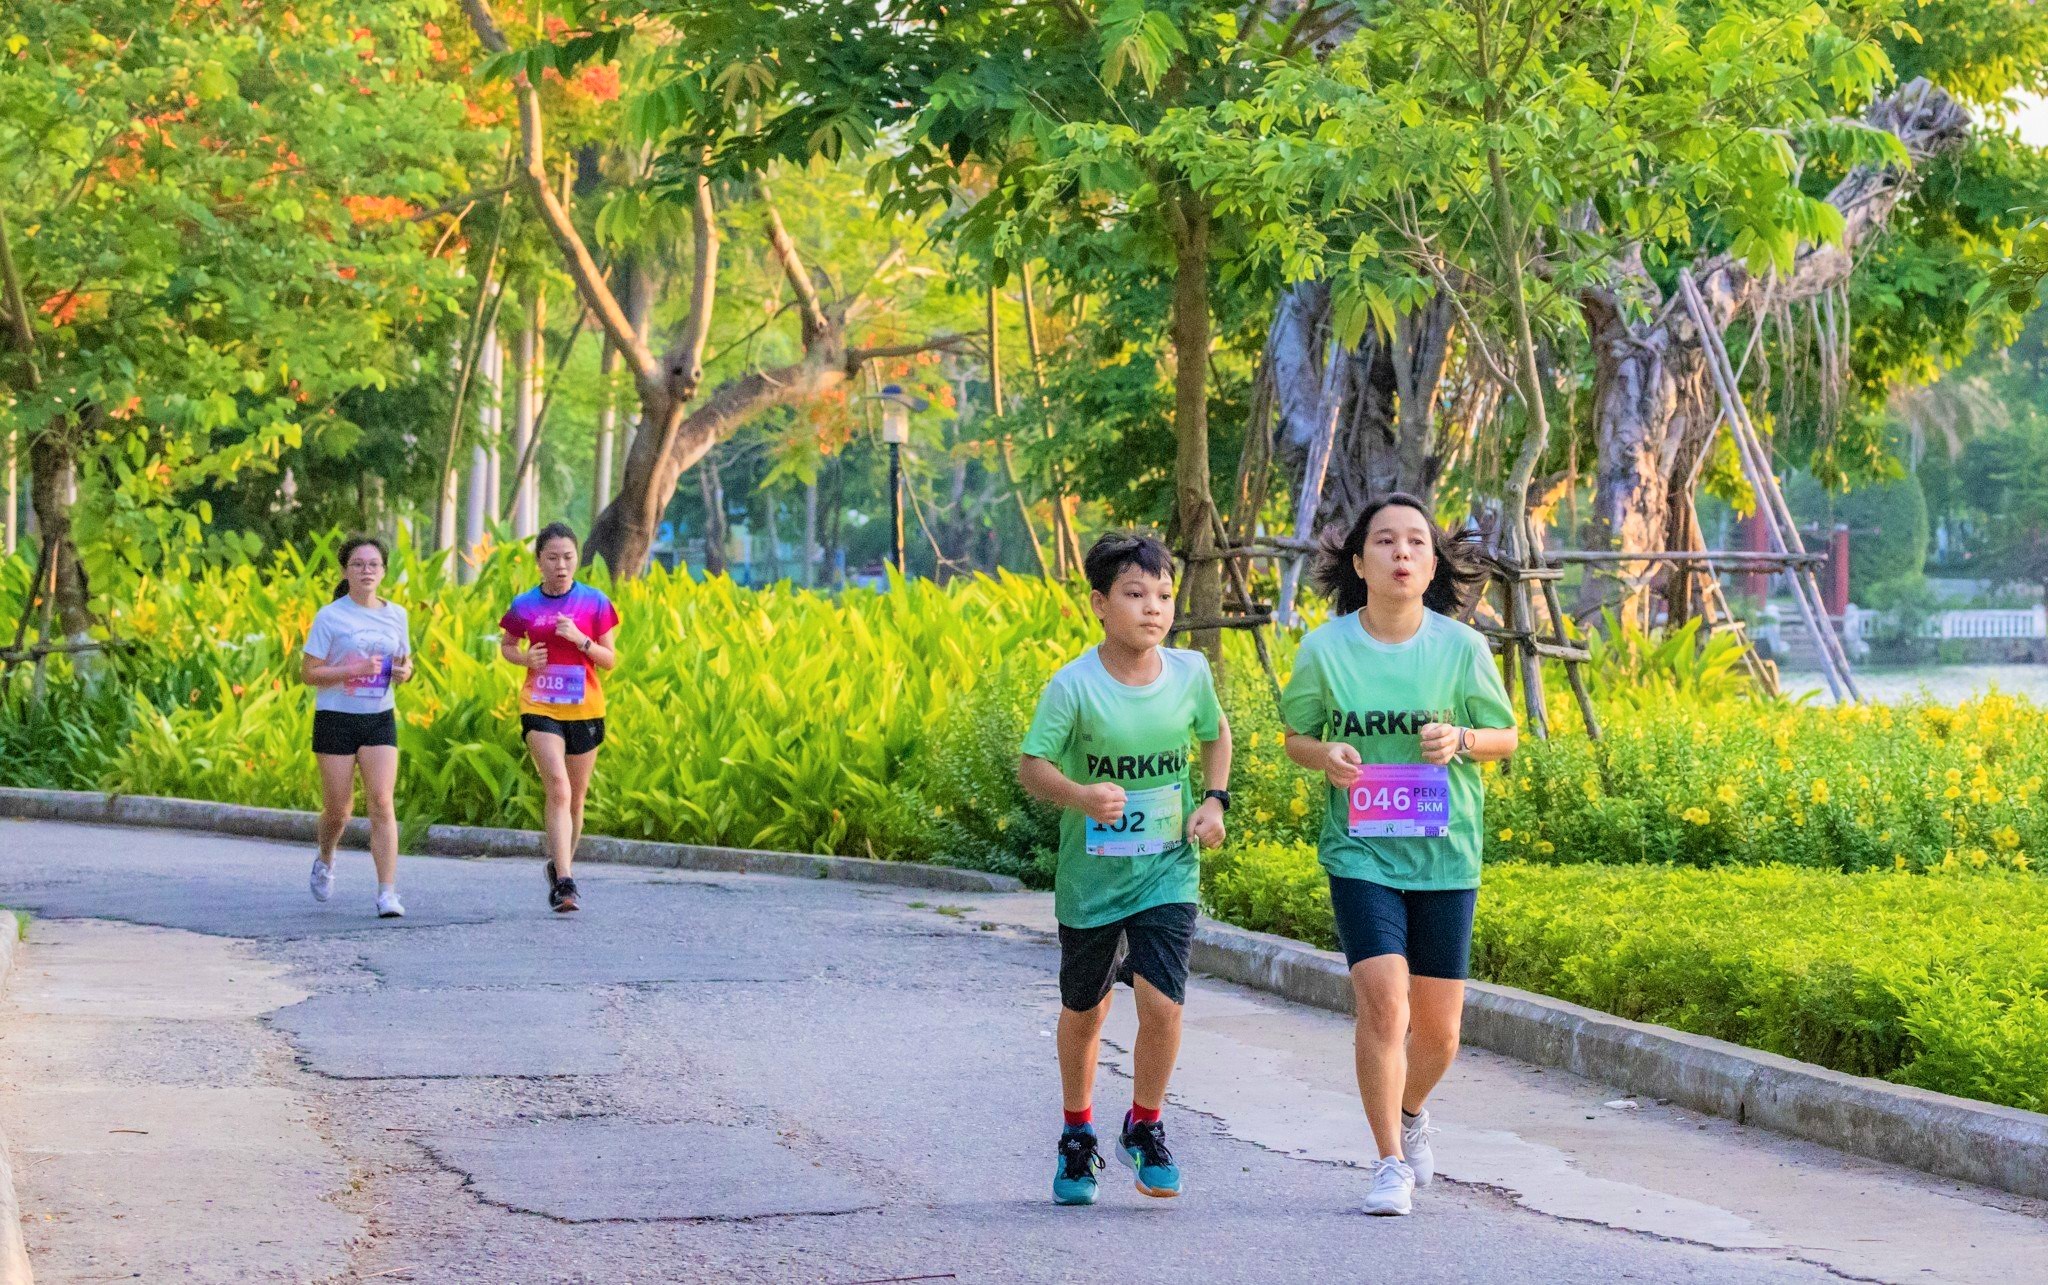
x=348, y=547
x=1336, y=574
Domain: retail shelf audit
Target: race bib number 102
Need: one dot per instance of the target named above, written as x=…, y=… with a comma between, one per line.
x=1151, y=824
x=1401, y=800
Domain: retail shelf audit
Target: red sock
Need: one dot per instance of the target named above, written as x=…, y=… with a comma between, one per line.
x=1143, y=1115
x=1086, y=1115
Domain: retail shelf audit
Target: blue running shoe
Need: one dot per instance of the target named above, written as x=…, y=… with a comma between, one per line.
x=1073, y=1183
x=1144, y=1150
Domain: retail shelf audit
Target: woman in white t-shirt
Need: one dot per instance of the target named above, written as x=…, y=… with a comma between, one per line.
x=356, y=652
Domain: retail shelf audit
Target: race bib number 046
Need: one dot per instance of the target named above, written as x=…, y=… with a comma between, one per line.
x=1401, y=800
x=556, y=685
x=1151, y=825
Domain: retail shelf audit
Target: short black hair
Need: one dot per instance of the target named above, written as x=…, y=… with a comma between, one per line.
x=1115, y=550
x=555, y=531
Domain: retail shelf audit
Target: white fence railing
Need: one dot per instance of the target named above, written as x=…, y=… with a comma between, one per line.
x=2029, y=622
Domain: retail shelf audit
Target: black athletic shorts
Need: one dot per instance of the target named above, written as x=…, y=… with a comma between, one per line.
x=1432, y=930
x=337, y=733
x=1152, y=944
x=580, y=735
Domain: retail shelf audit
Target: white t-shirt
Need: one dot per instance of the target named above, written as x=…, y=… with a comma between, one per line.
x=343, y=631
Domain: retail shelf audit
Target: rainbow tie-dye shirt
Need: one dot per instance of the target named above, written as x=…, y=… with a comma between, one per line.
x=568, y=688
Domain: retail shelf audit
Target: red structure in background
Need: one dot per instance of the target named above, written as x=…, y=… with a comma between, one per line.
x=1757, y=584
x=1838, y=571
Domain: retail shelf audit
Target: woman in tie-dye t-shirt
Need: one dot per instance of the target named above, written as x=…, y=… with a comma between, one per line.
x=561, y=634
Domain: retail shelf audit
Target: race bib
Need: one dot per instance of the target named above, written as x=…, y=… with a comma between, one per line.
x=1401, y=800
x=1151, y=825
x=556, y=685
x=376, y=686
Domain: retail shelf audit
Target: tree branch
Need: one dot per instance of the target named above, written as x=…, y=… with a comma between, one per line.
x=858, y=357
x=582, y=268
x=812, y=311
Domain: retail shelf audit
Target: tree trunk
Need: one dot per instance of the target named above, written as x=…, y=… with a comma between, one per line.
x=53, y=490
x=713, y=490
x=10, y=497
x=1654, y=412
x=1388, y=432
x=526, y=377
x=1193, y=507
x=810, y=577
x=607, y=431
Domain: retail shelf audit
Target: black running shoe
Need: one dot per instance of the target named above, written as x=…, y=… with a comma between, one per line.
x=562, y=896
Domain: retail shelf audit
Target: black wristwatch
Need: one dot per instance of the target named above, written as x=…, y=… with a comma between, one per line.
x=1221, y=796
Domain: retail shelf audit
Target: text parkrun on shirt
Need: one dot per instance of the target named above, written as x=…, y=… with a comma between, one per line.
x=1136, y=767
x=1384, y=722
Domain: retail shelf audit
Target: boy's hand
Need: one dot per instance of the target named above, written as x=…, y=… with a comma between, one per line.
x=1439, y=742
x=1205, y=827
x=1340, y=764
x=1103, y=803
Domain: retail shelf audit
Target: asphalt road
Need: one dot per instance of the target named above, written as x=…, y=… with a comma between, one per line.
x=206, y=1075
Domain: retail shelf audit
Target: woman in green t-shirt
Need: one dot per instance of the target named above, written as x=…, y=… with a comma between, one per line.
x=1396, y=704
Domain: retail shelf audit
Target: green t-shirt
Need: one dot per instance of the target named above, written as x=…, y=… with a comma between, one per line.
x=1349, y=686
x=1094, y=728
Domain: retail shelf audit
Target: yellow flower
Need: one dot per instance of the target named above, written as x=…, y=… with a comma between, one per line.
x=1820, y=791
x=1954, y=775
x=1952, y=792
x=1506, y=835
x=2019, y=861
x=1296, y=808
x=1727, y=794
x=1784, y=765
x=1002, y=823
x=1898, y=861
x=1545, y=847
x=1698, y=816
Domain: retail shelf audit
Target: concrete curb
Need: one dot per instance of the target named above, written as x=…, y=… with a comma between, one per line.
x=481, y=841
x=1992, y=1146
x=1954, y=1137
x=14, y=1269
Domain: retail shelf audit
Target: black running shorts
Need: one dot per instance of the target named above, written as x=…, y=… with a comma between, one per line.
x=1153, y=944
x=1432, y=930
x=579, y=735
x=337, y=733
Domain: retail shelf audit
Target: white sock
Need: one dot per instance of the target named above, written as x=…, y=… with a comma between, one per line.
x=1409, y=1117
x=383, y=888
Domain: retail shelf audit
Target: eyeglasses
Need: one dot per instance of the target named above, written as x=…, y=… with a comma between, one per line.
x=365, y=566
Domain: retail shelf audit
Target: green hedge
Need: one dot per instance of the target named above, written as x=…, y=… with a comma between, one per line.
x=1937, y=981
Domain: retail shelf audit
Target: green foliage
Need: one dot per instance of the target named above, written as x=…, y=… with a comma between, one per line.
x=2005, y=476
x=1888, y=532
x=210, y=226
x=1631, y=668
x=1918, y=787
x=1774, y=957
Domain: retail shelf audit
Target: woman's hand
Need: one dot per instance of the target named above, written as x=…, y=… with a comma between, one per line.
x=401, y=669
x=566, y=628
x=535, y=657
x=1340, y=764
x=1439, y=742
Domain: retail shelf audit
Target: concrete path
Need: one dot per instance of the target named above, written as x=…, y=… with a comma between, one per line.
x=204, y=1075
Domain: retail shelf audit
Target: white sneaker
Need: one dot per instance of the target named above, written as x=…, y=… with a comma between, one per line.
x=322, y=880
x=1393, y=1187
x=388, y=906
x=1415, y=1147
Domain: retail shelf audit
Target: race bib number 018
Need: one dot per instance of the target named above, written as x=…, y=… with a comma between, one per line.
x=556, y=685
x=1151, y=825
x=1401, y=800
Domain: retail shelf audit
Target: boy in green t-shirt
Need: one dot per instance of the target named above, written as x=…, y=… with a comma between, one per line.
x=1110, y=744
